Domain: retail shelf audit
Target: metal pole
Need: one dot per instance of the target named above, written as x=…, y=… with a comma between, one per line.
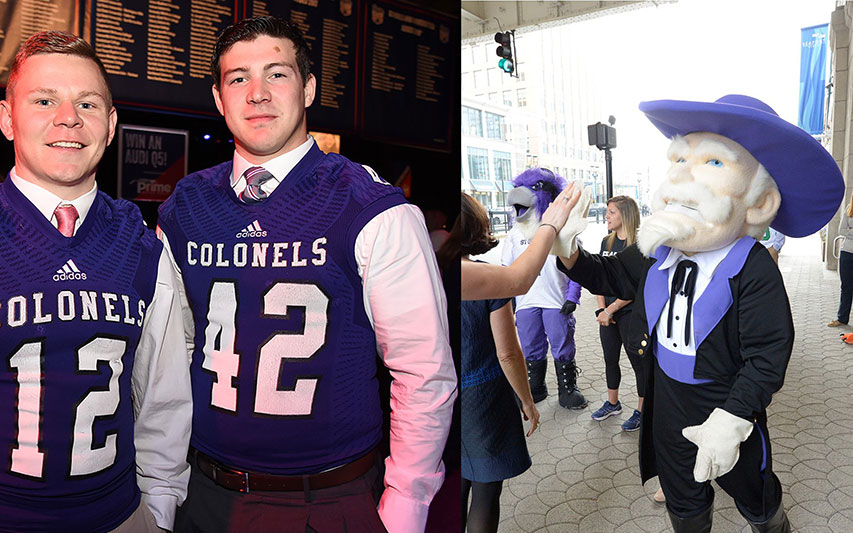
x=608, y=165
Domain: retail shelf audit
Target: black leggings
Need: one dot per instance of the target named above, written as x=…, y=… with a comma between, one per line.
x=485, y=511
x=613, y=337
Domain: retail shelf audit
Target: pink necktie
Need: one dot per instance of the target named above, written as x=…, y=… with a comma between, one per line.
x=66, y=217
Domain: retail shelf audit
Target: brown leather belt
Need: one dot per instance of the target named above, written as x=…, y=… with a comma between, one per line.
x=241, y=481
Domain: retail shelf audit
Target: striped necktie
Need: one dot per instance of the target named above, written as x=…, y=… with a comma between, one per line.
x=255, y=177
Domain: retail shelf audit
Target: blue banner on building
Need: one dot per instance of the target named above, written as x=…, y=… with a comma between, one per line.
x=813, y=48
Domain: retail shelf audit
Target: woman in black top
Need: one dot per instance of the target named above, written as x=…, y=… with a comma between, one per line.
x=613, y=315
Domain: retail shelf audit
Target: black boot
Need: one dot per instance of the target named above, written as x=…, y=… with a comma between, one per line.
x=536, y=376
x=567, y=385
x=778, y=523
x=700, y=523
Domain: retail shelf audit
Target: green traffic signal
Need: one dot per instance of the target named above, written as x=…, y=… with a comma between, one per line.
x=504, y=51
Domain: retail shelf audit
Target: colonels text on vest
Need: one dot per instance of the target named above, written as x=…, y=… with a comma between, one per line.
x=69, y=305
x=258, y=255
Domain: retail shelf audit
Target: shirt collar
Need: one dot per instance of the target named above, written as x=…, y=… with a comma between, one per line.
x=706, y=261
x=47, y=202
x=279, y=166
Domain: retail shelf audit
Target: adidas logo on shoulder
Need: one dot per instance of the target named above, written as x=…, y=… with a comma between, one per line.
x=252, y=230
x=69, y=271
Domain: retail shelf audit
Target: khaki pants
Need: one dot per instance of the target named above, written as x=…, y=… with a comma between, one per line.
x=141, y=521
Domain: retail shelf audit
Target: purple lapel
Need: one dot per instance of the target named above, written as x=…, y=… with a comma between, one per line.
x=715, y=300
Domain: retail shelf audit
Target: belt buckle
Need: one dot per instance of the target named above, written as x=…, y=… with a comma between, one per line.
x=244, y=481
x=244, y=476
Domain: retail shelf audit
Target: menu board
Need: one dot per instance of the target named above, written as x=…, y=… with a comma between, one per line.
x=329, y=27
x=20, y=19
x=384, y=70
x=157, y=52
x=409, y=84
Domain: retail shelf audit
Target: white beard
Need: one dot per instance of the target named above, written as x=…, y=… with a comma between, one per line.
x=681, y=209
x=661, y=228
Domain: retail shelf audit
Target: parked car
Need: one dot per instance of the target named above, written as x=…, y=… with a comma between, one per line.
x=597, y=211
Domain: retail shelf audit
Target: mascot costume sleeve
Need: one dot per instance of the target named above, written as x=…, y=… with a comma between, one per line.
x=710, y=307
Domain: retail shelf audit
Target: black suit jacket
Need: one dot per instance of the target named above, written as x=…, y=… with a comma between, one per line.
x=748, y=349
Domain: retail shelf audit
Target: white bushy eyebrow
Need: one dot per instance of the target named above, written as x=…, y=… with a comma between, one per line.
x=714, y=149
x=678, y=149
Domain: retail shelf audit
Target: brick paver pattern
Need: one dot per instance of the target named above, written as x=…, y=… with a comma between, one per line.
x=585, y=474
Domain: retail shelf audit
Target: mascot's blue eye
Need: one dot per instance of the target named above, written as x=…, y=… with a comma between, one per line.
x=681, y=160
x=537, y=186
x=714, y=162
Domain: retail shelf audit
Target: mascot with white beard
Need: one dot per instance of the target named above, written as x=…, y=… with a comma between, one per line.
x=710, y=307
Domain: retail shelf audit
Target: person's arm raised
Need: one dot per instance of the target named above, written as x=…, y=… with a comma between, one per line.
x=480, y=280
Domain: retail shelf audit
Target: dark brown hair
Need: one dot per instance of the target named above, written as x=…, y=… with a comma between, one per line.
x=55, y=42
x=475, y=238
x=252, y=28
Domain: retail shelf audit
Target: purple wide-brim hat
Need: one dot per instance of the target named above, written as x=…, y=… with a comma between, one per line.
x=808, y=178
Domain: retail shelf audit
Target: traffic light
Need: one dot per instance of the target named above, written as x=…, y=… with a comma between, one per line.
x=601, y=136
x=504, y=51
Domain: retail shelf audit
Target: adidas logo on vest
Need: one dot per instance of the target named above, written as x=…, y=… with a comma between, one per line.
x=252, y=230
x=69, y=271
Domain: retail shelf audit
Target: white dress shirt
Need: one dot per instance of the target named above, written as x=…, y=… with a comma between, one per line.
x=405, y=302
x=47, y=202
x=707, y=263
x=162, y=399
x=278, y=167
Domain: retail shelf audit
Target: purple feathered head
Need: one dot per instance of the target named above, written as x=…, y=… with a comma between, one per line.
x=534, y=188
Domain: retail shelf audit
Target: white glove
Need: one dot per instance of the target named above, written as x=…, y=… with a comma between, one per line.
x=718, y=439
x=566, y=243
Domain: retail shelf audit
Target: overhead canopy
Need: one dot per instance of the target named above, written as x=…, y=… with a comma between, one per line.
x=483, y=185
x=481, y=20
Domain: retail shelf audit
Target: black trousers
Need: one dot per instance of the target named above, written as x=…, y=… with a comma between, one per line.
x=613, y=338
x=845, y=272
x=350, y=507
x=751, y=483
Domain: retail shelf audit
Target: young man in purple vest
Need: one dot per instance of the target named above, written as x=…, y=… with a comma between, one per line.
x=710, y=305
x=94, y=384
x=298, y=266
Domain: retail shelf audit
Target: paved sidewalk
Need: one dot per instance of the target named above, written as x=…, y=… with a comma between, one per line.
x=585, y=474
